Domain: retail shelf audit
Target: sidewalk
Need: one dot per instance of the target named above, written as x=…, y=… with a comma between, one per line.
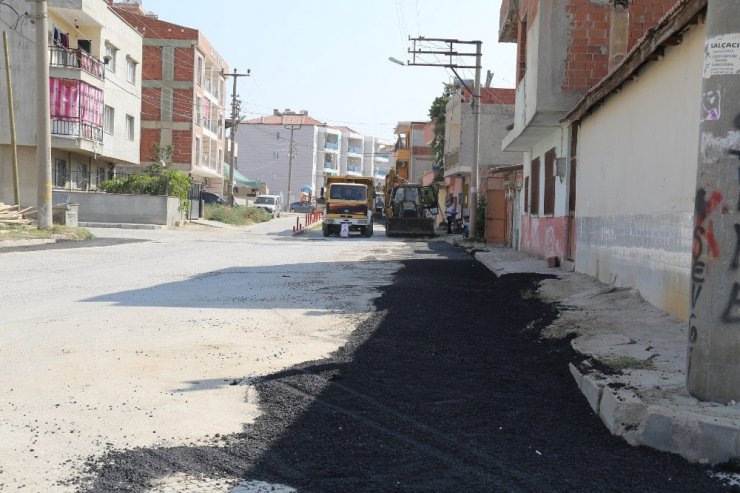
x=633, y=374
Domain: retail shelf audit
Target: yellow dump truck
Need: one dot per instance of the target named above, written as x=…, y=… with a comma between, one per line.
x=347, y=201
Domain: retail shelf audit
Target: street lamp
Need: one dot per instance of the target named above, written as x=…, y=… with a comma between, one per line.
x=396, y=61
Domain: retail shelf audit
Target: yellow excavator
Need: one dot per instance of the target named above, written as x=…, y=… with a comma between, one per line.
x=409, y=208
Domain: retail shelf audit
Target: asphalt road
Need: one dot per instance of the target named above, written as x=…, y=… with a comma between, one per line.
x=437, y=382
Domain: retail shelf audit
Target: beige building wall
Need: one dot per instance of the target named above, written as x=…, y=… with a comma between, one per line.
x=637, y=161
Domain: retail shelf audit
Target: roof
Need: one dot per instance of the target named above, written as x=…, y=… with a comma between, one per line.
x=240, y=179
x=284, y=120
x=666, y=33
x=493, y=95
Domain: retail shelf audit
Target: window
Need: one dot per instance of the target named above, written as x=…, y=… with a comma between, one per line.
x=129, y=127
x=60, y=173
x=198, y=110
x=110, y=56
x=275, y=156
x=549, y=202
x=109, y=117
x=199, y=74
x=526, y=195
x=534, y=194
x=131, y=70
x=197, y=151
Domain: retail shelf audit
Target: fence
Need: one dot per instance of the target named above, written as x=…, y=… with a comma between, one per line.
x=309, y=219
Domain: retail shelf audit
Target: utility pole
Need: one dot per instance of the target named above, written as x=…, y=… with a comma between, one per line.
x=11, y=115
x=713, y=359
x=291, y=154
x=235, y=108
x=43, y=118
x=420, y=48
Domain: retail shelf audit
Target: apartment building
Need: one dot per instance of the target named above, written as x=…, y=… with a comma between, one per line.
x=564, y=47
x=289, y=144
x=183, y=96
x=95, y=96
x=413, y=150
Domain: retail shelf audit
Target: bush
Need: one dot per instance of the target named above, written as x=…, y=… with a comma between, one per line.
x=156, y=180
x=238, y=215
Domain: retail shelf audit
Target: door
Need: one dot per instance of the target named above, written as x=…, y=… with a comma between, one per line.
x=495, y=226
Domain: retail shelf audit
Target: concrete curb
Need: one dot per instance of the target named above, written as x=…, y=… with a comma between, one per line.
x=24, y=243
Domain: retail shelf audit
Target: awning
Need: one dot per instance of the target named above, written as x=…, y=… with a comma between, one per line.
x=239, y=179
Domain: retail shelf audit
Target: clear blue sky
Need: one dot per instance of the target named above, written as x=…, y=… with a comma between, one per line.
x=330, y=57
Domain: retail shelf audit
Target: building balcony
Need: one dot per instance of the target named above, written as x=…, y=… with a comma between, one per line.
x=332, y=146
x=354, y=150
x=354, y=169
x=541, y=100
x=76, y=60
x=76, y=136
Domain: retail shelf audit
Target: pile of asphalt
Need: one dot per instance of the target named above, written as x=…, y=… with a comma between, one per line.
x=448, y=387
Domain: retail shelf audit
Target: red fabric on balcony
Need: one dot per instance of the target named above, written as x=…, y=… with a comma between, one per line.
x=64, y=98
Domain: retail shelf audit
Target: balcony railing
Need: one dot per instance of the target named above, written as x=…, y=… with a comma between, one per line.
x=331, y=145
x=354, y=150
x=329, y=166
x=354, y=169
x=68, y=58
x=67, y=128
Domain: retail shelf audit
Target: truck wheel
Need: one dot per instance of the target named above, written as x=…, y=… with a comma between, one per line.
x=368, y=231
x=325, y=230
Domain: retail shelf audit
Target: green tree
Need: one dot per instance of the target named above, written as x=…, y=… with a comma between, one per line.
x=438, y=117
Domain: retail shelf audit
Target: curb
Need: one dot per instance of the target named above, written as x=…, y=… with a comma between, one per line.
x=694, y=436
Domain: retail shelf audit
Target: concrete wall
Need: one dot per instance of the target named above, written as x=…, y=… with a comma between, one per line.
x=637, y=160
x=120, y=208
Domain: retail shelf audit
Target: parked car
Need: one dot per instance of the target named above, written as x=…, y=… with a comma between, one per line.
x=302, y=207
x=212, y=198
x=270, y=203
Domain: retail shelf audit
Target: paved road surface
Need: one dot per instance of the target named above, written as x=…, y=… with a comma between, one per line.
x=252, y=361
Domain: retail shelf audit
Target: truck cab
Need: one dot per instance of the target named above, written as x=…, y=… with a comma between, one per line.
x=348, y=201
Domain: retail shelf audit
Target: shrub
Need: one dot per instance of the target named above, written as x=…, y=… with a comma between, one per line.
x=238, y=215
x=156, y=180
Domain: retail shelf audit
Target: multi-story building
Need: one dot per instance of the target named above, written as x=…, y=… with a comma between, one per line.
x=413, y=150
x=352, y=155
x=496, y=112
x=378, y=156
x=95, y=91
x=564, y=47
x=295, y=144
x=286, y=144
x=183, y=96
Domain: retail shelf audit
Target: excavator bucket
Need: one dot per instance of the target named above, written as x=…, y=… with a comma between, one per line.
x=409, y=226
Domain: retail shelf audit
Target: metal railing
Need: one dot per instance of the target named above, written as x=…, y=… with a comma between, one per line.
x=69, y=58
x=77, y=129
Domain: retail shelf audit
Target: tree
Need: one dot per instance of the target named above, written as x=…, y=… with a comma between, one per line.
x=438, y=117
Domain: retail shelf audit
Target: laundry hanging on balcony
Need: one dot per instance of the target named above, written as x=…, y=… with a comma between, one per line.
x=76, y=109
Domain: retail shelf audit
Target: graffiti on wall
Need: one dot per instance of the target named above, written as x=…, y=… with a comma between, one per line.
x=710, y=105
x=705, y=247
x=730, y=313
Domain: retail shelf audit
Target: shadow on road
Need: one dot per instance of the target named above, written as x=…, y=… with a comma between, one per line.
x=448, y=388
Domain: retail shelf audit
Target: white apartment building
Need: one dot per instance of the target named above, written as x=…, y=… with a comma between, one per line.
x=318, y=150
x=95, y=96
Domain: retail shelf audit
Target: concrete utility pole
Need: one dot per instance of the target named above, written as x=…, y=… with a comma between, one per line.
x=713, y=363
x=11, y=115
x=43, y=117
x=235, y=108
x=451, y=53
x=291, y=155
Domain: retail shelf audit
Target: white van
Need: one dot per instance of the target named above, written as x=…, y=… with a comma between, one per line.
x=270, y=203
